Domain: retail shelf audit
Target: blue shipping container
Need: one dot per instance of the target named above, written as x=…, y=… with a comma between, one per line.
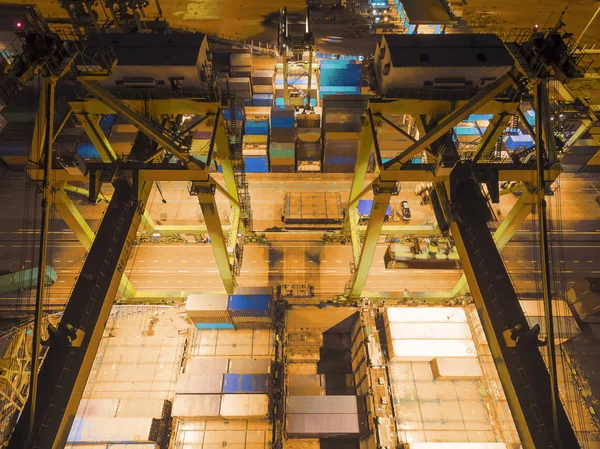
x=513, y=142
x=334, y=63
x=466, y=131
x=249, y=305
x=282, y=122
x=262, y=102
x=256, y=127
x=340, y=160
x=246, y=383
x=256, y=164
x=88, y=151
x=214, y=326
x=474, y=117
x=364, y=208
x=106, y=122
x=238, y=116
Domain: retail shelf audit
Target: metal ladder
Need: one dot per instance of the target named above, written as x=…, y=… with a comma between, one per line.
x=237, y=160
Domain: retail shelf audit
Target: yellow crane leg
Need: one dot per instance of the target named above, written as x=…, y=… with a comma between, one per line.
x=381, y=201
x=206, y=198
x=76, y=223
x=507, y=229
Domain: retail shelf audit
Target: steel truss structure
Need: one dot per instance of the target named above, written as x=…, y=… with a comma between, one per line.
x=462, y=210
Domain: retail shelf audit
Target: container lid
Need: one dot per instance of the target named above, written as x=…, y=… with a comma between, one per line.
x=249, y=302
x=206, y=302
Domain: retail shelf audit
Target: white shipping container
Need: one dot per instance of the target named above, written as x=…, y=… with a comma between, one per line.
x=122, y=430
x=112, y=446
x=230, y=439
x=322, y=404
x=189, y=406
x=193, y=383
x=456, y=368
x=97, y=408
x=454, y=446
x=429, y=331
x=244, y=406
x=311, y=425
x=425, y=315
x=203, y=365
x=140, y=408
x=207, y=308
x=427, y=350
x=236, y=59
x=250, y=366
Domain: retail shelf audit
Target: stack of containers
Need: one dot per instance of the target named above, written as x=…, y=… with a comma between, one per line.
x=251, y=311
x=324, y=416
x=283, y=137
x=262, y=88
x=255, y=142
x=219, y=383
x=391, y=142
x=240, y=71
x=339, y=77
x=423, y=334
x=209, y=311
x=240, y=65
x=342, y=121
x=246, y=383
x=308, y=142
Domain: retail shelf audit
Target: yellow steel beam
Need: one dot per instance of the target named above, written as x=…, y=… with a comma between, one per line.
x=507, y=229
x=585, y=126
x=504, y=174
x=77, y=224
x=360, y=169
x=391, y=230
x=173, y=106
x=62, y=124
x=97, y=137
x=206, y=198
x=448, y=122
x=490, y=136
x=39, y=128
x=354, y=234
x=429, y=107
x=146, y=127
x=381, y=202
x=405, y=134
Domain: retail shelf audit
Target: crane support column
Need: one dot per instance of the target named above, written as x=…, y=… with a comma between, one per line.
x=450, y=121
x=97, y=137
x=76, y=223
x=74, y=343
x=513, y=344
x=383, y=192
x=206, y=198
x=507, y=229
x=491, y=135
x=146, y=127
x=360, y=169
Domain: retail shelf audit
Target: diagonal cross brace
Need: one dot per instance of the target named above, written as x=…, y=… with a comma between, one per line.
x=449, y=122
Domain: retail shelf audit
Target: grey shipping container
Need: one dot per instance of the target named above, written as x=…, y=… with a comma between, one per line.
x=322, y=404
x=244, y=406
x=203, y=365
x=207, y=308
x=191, y=383
x=249, y=366
x=253, y=291
x=323, y=425
x=306, y=384
x=113, y=430
x=186, y=406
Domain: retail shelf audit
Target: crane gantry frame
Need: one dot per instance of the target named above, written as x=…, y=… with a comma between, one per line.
x=74, y=343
